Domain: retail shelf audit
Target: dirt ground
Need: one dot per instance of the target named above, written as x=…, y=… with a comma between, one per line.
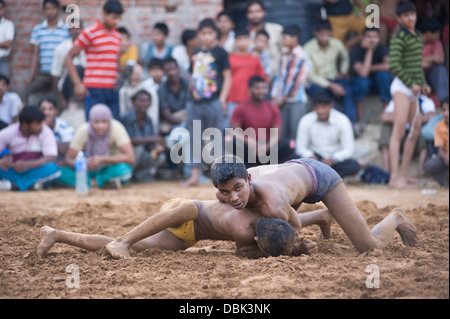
x=336, y=271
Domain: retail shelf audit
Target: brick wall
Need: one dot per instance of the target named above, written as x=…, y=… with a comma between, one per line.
x=139, y=17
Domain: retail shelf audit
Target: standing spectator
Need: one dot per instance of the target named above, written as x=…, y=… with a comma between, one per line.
x=6, y=39
x=182, y=52
x=226, y=28
x=101, y=42
x=260, y=46
x=61, y=129
x=129, y=51
x=388, y=19
x=33, y=152
x=256, y=14
x=10, y=103
x=61, y=78
x=130, y=86
x=243, y=66
x=438, y=166
x=370, y=69
x=147, y=144
x=211, y=81
x=405, y=60
x=158, y=48
x=330, y=65
x=108, y=149
x=44, y=39
x=288, y=91
x=340, y=14
x=326, y=135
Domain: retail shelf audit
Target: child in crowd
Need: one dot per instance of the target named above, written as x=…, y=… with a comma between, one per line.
x=260, y=46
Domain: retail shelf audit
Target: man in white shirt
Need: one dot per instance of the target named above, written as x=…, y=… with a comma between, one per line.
x=326, y=135
x=6, y=39
x=10, y=102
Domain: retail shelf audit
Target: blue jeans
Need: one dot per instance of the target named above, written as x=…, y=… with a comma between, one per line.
x=348, y=104
x=109, y=97
x=381, y=81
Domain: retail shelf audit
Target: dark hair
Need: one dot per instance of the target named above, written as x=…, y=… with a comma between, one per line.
x=155, y=62
x=113, y=6
x=5, y=78
x=431, y=25
x=255, y=79
x=123, y=30
x=405, y=6
x=322, y=98
x=48, y=99
x=207, y=23
x=292, y=30
x=161, y=26
x=261, y=4
x=139, y=92
x=30, y=114
x=370, y=29
x=54, y=2
x=2, y=2
x=187, y=35
x=240, y=31
x=275, y=236
x=263, y=32
x=224, y=13
x=169, y=60
x=227, y=167
x=323, y=25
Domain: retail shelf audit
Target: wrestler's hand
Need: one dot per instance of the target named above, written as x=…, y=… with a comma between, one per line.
x=307, y=246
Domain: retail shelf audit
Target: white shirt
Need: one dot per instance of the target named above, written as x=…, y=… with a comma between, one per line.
x=180, y=55
x=59, y=69
x=330, y=139
x=6, y=34
x=9, y=106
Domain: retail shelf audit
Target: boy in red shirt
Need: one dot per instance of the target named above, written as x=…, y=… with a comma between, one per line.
x=101, y=42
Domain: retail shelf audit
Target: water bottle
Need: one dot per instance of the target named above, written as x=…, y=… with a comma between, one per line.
x=81, y=174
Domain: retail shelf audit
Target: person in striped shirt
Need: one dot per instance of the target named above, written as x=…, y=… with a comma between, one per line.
x=101, y=43
x=45, y=37
x=405, y=63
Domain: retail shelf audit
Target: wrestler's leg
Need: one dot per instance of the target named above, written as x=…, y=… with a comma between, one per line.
x=172, y=214
x=320, y=217
x=162, y=240
x=347, y=215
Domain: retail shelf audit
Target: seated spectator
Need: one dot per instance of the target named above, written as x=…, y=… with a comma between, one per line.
x=32, y=152
x=243, y=66
x=433, y=58
x=108, y=149
x=158, y=47
x=182, y=52
x=129, y=52
x=260, y=49
x=133, y=76
x=146, y=142
x=10, y=102
x=330, y=67
x=438, y=166
x=428, y=109
x=288, y=90
x=370, y=68
x=326, y=135
x=257, y=114
x=63, y=132
x=226, y=26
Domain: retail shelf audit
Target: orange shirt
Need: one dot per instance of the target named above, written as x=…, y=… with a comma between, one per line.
x=441, y=138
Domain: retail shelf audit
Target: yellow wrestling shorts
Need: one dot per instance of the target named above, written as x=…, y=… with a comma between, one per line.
x=185, y=232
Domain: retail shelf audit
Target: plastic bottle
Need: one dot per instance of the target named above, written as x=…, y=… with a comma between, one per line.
x=81, y=174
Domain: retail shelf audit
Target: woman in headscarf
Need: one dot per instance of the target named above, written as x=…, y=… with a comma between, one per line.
x=107, y=147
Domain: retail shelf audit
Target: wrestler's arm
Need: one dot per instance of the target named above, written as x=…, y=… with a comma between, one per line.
x=250, y=251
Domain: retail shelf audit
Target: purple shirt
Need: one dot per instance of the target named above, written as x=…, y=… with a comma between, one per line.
x=26, y=148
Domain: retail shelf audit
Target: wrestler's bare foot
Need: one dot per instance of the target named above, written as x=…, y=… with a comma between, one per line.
x=325, y=224
x=118, y=250
x=48, y=236
x=407, y=231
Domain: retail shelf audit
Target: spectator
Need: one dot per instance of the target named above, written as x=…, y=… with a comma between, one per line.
x=59, y=72
x=101, y=42
x=6, y=39
x=147, y=144
x=226, y=28
x=341, y=17
x=133, y=78
x=211, y=78
x=370, y=67
x=438, y=166
x=182, y=52
x=158, y=48
x=256, y=14
x=257, y=114
x=405, y=63
x=129, y=51
x=33, y=152
x=61, y=129
x=10, y=103
x=433, y=58
x=326, y=135
x=288, y=91
x=108, y=149
x=388, y=19
x=330, y=65
x=260, y=46
x=44, y=39
x=243, y=66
